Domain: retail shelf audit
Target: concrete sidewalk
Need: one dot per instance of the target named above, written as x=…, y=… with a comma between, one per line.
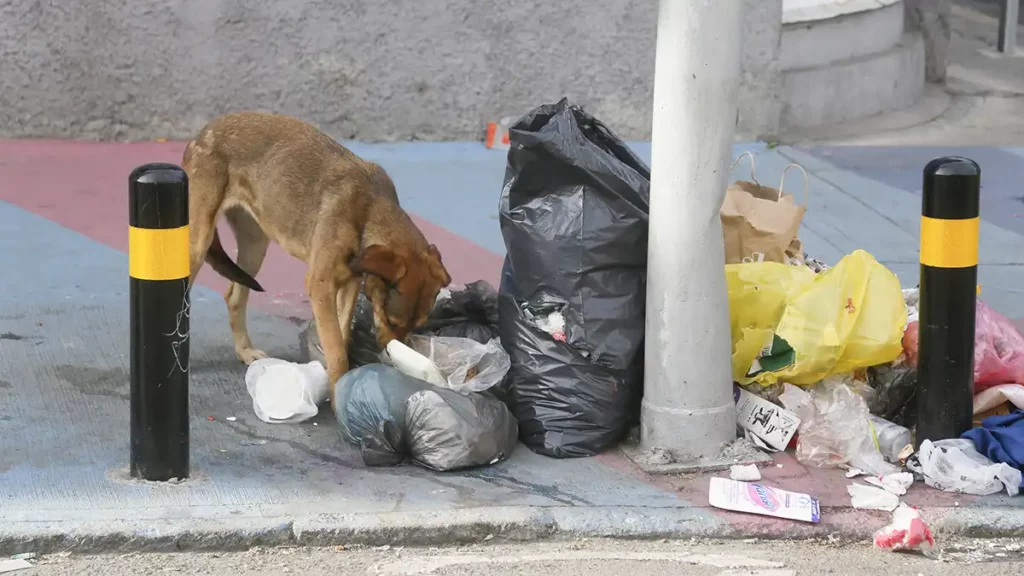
x=63, y=377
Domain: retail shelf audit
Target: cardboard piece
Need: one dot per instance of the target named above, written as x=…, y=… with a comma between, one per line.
x=763, y=500
x=773, y=425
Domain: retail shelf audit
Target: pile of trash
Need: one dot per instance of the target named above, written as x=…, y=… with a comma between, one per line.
x=823, y=356
x=434, y=402
x=824, y=362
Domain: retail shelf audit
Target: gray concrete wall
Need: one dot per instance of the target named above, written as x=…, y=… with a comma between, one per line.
x=760, y=103
x=367, y=69
x=931, y=17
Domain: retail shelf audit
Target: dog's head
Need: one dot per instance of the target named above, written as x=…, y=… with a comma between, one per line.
x=403, y=286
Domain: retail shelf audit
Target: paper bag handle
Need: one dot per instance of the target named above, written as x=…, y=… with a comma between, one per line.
x=782, y=182
x=737, y=161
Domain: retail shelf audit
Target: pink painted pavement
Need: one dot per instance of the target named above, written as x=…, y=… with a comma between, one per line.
x=83, y=186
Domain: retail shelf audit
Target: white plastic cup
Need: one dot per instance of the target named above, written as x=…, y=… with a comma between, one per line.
x=286, y=392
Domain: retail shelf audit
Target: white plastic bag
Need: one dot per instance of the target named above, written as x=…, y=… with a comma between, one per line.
x=957, y=466
x=286, y=392
x=412, y=363
x=466, y=365
x=834, y=428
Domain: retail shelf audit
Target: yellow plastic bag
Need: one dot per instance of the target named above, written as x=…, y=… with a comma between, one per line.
x=790, y=324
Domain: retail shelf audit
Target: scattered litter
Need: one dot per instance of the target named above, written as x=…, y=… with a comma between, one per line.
x=231, y=418
x=957, y=466
x=907, y=532
x=315, y=424
x=758, y=499
x=871, y=498
x=23, y=556
x=911, y=298
x=210, y=418
x=834, y=429
x=253, y=442
x=12, y=565
x=745, y=473
x=497, y=133
x=854, y=472
x=896, y=484
x=890, y=438
x=906, y=453
x=286, y=392
x=765, y=421
x=221, y=450
x=890, y=388
x=489, y=537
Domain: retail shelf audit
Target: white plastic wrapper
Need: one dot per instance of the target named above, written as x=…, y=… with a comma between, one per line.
x=957, y=466
x=286, y=392
x=870, y=498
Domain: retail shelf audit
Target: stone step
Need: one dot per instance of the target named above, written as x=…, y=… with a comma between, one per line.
x=814, y=42
x=854, y=88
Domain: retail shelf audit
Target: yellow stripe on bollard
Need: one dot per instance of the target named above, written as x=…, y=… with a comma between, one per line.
x=949, y=243
x=158, y=254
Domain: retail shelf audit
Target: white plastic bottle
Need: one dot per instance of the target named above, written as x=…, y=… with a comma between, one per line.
x=891, y=438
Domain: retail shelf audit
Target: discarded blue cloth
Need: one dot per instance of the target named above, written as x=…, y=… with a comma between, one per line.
x=1001, y=438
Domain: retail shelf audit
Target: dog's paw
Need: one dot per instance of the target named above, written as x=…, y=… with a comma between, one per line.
x=250, y=355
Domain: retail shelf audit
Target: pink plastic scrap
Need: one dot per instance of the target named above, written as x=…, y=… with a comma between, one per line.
x=907, y=532
x=998, y=349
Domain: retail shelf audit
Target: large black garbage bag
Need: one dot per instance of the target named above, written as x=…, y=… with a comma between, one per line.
x=470, y=312
x=391, y=416
x=573, y=215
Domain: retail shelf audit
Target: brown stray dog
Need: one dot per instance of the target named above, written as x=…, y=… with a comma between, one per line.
x=277, y=178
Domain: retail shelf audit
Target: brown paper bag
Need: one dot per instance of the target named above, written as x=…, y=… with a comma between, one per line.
x=760, y=223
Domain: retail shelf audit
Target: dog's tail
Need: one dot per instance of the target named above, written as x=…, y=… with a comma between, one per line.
x=226, y=267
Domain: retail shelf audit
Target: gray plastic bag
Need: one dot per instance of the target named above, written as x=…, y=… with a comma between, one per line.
x=392, y=417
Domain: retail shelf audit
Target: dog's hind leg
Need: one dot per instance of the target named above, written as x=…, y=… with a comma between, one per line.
x=207, y=180
x=252, y=249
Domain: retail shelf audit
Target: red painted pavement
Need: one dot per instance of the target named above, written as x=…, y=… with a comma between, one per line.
x=83, y=186
x=827, y=484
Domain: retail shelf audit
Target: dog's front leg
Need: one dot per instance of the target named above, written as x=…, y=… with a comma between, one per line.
x=323, y=298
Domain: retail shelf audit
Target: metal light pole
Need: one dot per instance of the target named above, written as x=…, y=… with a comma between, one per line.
x=688, y=404
x=1009, y=11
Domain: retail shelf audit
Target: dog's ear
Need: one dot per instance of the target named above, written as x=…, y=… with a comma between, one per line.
x=437, y=269
x=380, y=261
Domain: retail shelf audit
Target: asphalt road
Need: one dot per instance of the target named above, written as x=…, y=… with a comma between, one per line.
x=584, y=558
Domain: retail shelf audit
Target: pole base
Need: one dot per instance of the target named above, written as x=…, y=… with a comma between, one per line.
x=658, y=460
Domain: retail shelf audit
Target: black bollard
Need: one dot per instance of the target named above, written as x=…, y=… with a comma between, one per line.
x=158, y=270
x=949, y=278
